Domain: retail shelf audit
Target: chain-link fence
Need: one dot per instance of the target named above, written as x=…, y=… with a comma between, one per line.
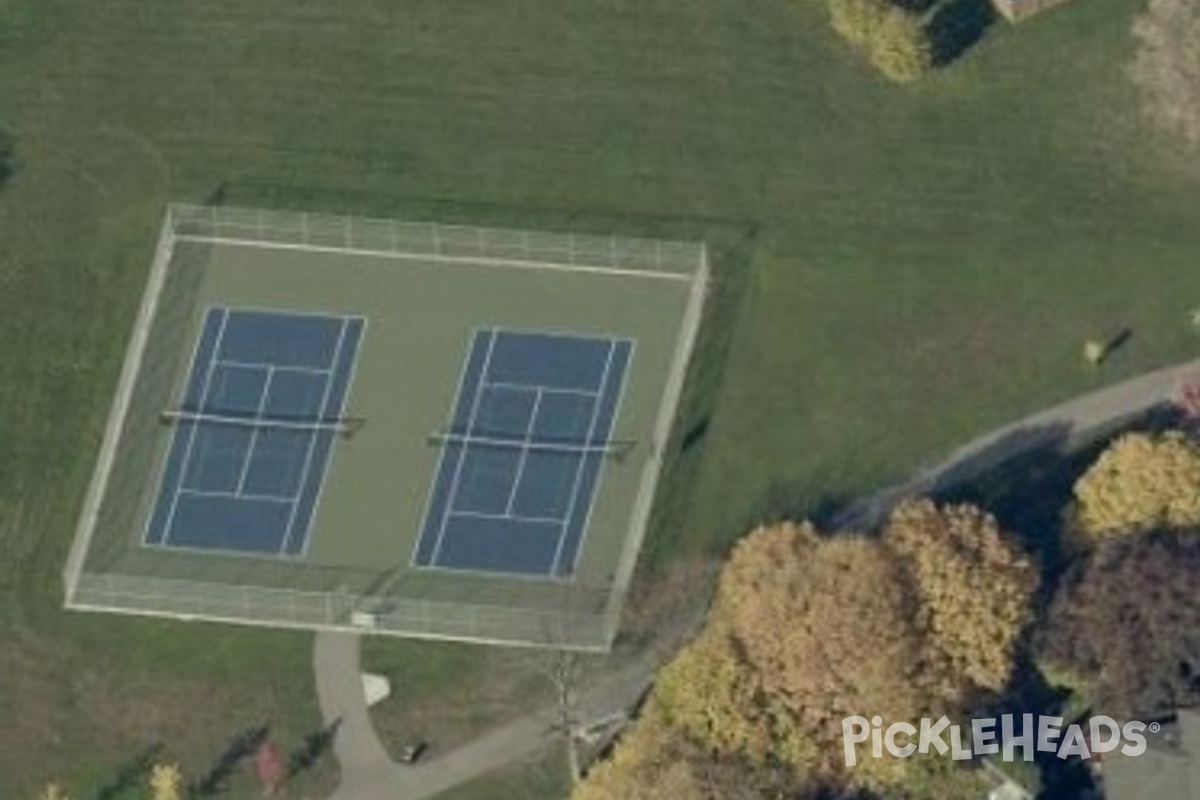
x=107, y=570
x=500, y=246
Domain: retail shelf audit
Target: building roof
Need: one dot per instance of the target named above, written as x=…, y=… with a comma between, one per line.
x=1168, y=770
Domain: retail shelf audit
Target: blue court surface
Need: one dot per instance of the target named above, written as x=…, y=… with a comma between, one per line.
x=521, y=459
x=254, y=431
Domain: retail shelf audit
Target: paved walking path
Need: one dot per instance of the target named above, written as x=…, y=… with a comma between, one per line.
x=1103, y=408
x=369, y=774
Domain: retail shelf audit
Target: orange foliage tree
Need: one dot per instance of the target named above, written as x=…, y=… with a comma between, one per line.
x=975, y=589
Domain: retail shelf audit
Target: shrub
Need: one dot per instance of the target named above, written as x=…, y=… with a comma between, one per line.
x=1139, y=483
x=900, y=47
x=895, y=40
x=857, y=20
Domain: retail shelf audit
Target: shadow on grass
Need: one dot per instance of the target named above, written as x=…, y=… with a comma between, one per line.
x=314, y=747
x=1029, y=491
x=7, y=146
x=1029, y=693
x=239, y=749
x=129, y=775
x=956, y=27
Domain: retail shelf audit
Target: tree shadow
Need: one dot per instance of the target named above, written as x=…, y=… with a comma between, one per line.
x=914, y=6
x=129, y=774
x=314, y=747
x=793, y=501
x=956, y=27
x=1030, y=693
x=1029, y=485
x=239, y=749
x=961, y=467
x=7, y=146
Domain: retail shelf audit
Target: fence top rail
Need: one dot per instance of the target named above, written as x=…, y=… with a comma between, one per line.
x=623, y=254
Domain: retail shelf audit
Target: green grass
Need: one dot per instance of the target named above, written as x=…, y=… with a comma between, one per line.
x=921, y=264
x=547, y=779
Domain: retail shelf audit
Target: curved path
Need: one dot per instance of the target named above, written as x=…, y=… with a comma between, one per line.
x=368, y=773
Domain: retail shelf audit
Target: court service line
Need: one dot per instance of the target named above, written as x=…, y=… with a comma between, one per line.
x=507, y=517
x=525, y=387
x=240, y=496
x=232, y=362
x=258, y=415
x=524, y=456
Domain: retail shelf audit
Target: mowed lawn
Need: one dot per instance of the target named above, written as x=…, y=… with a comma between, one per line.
x=922, y=263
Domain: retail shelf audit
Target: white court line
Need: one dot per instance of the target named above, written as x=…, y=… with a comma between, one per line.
x=341, y=413
x=512, y=493
x=562, y=534
x=427, y=513
x=232, y=362
x=187, y=450
x=312, y=442
x=238, y=496
x=438, y=258
x=458, y=468
x=162, y=473
x=587, y=517
x=337, y=425
x=258, y=415
x=517, y=444
x=507, y=517
x=523, y=387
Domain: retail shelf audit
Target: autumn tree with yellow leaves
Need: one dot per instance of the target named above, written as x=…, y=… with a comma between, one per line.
x=166, y=782
x=974, y=588
x=807, y=630
x=654, y=762
x=1141, y=482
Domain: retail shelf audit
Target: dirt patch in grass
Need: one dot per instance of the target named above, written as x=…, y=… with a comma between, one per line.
x=1167, y=68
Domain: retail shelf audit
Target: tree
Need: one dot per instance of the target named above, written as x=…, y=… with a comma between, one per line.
x=1141, y=482
x=165, y=782
x=900, y=47
x=975, y=588
x=894, y=39
x=805, y=632
x=856, y=21
x=1128, y=619
x=651, y=762
x=654, y=760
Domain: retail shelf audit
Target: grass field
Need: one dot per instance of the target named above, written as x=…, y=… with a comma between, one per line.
x=921, y=264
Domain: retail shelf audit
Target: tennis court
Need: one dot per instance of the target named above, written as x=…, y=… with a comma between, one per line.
x=408, y=428
x=254, y=431
x=522, y=455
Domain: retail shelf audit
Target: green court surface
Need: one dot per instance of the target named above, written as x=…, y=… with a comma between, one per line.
x=423, y=291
